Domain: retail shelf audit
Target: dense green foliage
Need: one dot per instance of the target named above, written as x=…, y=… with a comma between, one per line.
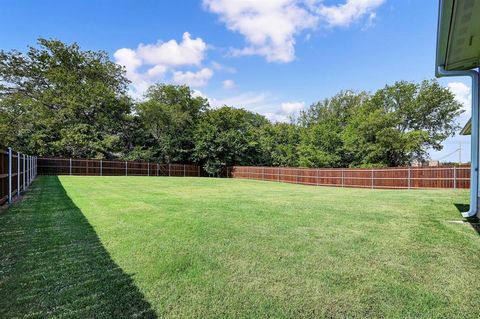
x=170, y=115
x=229, y=248
x=228, y=136
x=59, y=100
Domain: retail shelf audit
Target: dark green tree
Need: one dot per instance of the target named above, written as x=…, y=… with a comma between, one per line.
x=279, y=144
x=322, y=126
x=56, y=99
x=170, y=114
x=400, y=123
x=228, y=136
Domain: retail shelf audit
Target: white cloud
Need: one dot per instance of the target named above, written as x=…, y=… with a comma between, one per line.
x=229, y=84
x=462, y=94
x=285, y=112
x=193, y=79
x=275, y=117
x=249, y=100
x=150, y=63
x=270, y=27
x=260, y=102
x=220, y=67
x=158, y=71
x=128, y=58
x=171, y=53
x=292, y=107
x=352, y=10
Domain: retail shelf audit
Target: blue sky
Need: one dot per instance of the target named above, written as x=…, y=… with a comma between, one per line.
x=272, y=57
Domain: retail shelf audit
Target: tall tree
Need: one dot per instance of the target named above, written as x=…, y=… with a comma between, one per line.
x=56, y=99
x=322, y=126
x=170, y=114
x=400, y=123
x=228, y=136
x=279, y=144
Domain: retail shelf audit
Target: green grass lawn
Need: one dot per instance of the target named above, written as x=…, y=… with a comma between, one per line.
x=196, y=247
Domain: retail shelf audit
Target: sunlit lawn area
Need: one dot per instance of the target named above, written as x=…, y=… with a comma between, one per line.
x=197, y=247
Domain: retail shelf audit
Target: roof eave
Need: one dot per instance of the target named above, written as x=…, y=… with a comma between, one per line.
x=445, y=9
x=467, y=129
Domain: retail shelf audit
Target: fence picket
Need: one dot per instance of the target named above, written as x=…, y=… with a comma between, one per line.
x=9, y=175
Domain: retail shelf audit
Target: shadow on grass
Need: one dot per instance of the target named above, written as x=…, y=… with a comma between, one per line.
x=52, y=262
x=473, y=221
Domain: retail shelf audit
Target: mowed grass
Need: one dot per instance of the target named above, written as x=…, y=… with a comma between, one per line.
x=227, y=248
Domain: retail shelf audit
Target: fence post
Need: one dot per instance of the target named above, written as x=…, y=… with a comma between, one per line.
x=158, y=168
x=9, y=175
x=168, y=169
x=343, y=176
x=372, y=180
x=126, y=168
x=70, y=166
x=101, y=167
x=454, y=177
x=18, y=174
x=198, y=169
x=409, y=178
x=317, y=175
x=183, y=170
x=148, y=169
x=28, y=170
x=24, y=173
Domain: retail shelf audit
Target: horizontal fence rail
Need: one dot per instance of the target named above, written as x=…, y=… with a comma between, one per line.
x=93, y=167
x=394, y=178
x=17, y=171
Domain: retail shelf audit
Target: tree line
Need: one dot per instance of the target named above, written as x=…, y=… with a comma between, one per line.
x=59, y=100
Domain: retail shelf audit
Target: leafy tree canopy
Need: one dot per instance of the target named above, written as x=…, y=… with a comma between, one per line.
x=59, y=100
x=170, y=114
x=400, y=122
x=228, y=136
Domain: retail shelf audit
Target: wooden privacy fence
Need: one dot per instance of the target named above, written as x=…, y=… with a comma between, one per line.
x=394, y=178
x=17, y=171
x=91, y=167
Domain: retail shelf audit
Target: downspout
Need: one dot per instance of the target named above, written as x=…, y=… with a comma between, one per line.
x=441, y=72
